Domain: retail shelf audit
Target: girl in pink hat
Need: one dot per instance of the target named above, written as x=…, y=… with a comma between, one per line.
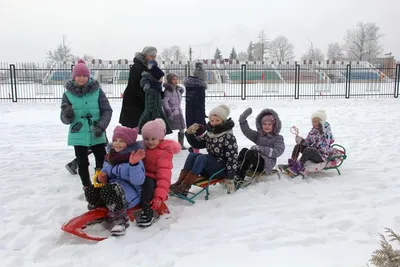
x=118, y=185
x=158, y=165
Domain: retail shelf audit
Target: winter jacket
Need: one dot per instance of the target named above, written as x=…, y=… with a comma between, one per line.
x=152, y=107
x=270, y=146
x=158, y=164
x=134, y=96
x=219, y=142
x=328, y=134
x=172, y=106
x=195, y=102
x=317, y=140
x=129, y=177
x=91, y=108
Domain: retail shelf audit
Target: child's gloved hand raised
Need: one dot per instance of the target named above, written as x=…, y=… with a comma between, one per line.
x=156, y=203
x=245, y=114
x=67, y=110
x=193, y=128
x=137, y=156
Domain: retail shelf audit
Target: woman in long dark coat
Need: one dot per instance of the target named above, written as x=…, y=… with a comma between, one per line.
x=133, y=102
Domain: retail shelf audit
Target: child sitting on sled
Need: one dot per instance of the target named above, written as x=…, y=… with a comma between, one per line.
x=269, y=144
x=315, y=147
x=222, y=151
x=158, y=164
x=118, y=185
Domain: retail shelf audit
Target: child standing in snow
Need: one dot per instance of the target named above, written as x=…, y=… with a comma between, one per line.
x=269, y=144
x=151, y=84
x=316, y=144
x=122, y=176
x=158, y=164
x=172, y=106
x=85, y=107
x=196, y=99
x=222, y=151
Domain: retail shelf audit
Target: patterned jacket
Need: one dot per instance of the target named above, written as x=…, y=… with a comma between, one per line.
x=317, y=140
x=219, y=142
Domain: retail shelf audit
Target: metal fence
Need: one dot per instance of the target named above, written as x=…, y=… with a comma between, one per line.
x=227, y=79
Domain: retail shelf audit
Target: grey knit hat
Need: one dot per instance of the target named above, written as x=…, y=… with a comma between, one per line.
x=150, y=51
x=170, y=76
x=199, y=72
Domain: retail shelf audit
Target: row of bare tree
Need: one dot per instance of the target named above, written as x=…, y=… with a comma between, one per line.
x=359, y=43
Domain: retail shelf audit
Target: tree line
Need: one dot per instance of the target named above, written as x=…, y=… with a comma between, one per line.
x=362, y=42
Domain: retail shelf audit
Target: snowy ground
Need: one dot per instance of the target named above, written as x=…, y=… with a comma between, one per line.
x=327, y=221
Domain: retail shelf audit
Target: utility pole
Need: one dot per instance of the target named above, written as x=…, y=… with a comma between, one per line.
x=190, y=53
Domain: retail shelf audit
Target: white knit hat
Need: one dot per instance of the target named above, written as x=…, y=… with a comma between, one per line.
x=321, y=114
x=221, y=111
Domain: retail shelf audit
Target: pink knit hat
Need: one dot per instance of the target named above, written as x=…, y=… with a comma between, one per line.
x=80, y=69
x=129, y=135
x=268, y=118
x=154, y=129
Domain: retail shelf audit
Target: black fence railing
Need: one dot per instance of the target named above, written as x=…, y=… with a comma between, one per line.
x=226, y=79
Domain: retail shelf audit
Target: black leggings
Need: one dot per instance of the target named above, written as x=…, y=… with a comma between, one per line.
x=81, y=154
x=111, y=196
x=249, y=160
x=148, y=190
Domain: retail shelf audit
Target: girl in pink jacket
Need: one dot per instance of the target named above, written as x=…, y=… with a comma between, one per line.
x=158, y=165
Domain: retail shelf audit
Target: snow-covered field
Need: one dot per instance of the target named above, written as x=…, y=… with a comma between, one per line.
x=326, y=221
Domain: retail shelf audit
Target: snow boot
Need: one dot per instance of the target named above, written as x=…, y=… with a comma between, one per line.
x=146, y=216
x=184, y=187
x=182, y=177
x=72, y=167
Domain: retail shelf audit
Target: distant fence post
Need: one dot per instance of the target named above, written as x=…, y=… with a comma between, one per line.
x=397, y=81
x=13, y=81
x=297, y=81
x=243, y=78
x=348, y=80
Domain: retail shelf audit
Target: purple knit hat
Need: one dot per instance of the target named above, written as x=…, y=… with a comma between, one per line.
x=80, y=69
x=154, y=129
x=268, y=118
x=129, y=135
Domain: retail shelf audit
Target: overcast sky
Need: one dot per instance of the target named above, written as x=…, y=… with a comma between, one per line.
x=114, y=29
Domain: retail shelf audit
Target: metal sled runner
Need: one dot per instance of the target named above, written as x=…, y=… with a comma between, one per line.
x=205, y=184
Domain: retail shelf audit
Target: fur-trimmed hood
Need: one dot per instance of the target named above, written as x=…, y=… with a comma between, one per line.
x=91, y=86
x=194, y=82
x=140, y=58
x=170, y=146
x=268, y=111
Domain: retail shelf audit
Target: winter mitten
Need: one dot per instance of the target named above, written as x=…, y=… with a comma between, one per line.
x=156, y=203
x=135, y=157
x=193, y=128
x=96, y=181
x=67, y=110
x=102, y=177
x=298, y=139
x=97, y=131
x=245, y=114
x=230, y=186
x=255, y=148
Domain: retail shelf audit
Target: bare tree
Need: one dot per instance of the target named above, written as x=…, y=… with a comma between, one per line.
x=281, y=49
x=334, y=51
x=363, y=42
x=314, y=54
x=261, y=46
x=242, y=56
x=62, y=52
x=172, y=53
x=87, y=57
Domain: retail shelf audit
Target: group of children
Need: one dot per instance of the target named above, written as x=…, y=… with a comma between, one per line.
x=132, y=172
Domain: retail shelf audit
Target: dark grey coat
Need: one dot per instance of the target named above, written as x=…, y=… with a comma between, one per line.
x=172, y=106
x=270, y=146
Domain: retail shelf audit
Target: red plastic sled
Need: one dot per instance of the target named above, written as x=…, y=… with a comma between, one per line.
x=76, y=225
